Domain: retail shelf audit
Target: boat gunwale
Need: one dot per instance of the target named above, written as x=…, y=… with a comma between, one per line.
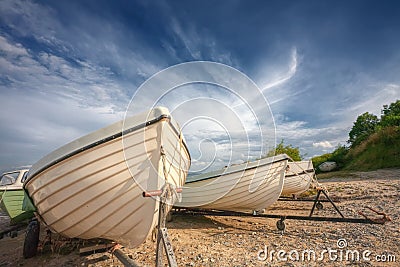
x=243, y=181
x=107, y=139
x=242, y=169
x=10, y=189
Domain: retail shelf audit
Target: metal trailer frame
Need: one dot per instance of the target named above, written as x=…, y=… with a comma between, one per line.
x=166, y=194
x=280, y=224
x=12, y=230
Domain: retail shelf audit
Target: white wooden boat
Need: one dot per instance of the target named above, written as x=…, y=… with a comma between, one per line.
x=298, y=177
x=327, y=166
x=247, y=187
x=92, y=187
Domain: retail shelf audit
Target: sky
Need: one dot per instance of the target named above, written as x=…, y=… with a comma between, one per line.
x=68, y=68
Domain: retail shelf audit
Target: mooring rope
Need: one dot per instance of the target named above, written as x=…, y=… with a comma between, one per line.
x=173, y=160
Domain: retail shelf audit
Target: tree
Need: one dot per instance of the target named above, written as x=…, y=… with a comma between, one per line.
x=293, y=152
x=391, y=115
x=363, y=127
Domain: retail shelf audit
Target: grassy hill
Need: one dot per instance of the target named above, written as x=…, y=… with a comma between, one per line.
x=380, y=150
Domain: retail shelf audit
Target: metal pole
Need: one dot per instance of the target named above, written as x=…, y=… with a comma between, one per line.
x=126, y=261
x=163, y=240
x=315, y=202
x=333, y=204
x=161, y=224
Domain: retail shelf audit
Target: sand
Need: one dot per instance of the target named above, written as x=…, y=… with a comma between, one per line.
x=243, y=241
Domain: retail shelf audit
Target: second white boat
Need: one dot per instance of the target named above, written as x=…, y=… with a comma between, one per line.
x=298, y=177
x=248, y=187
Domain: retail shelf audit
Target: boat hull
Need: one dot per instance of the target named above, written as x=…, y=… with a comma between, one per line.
x=327, y=166
x=298, y=177
x=12, y=197
x=12, y=204
x=97, y=193
x=246, y=188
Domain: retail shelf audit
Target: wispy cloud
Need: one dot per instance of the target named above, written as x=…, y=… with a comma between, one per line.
x=200, y=45
x=214, y=104
x=311, y=139
x=190, y=39
x=47, y=73
x=90, y=37
x=285, y=76
x=50, y=97
x=36, y=124
x=373, y=100
x=28, y=18
x=76, y=66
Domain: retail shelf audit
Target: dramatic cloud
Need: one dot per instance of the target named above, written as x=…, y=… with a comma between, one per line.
x=285, y=77
x=68, y=68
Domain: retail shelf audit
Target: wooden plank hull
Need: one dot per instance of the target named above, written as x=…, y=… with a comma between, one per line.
x=12, y=204
x=298, y=177
x=247, y=187
x=97, y=193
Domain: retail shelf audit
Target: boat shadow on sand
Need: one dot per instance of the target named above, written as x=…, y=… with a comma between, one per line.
x=208, y=222
x=194, y=222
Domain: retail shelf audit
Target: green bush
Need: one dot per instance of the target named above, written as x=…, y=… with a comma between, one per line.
x=281, y=148
x=339, y=156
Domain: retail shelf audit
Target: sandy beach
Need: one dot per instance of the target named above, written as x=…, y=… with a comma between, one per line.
x=250, y=241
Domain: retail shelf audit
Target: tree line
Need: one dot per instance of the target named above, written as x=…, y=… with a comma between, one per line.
x=369, y=130
x=366, y=125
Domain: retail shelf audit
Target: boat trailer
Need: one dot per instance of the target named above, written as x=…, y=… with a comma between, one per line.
x=12, y=231
x=280, y=224
x=166, y=195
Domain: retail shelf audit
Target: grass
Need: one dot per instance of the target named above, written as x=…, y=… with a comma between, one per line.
x=380, y=150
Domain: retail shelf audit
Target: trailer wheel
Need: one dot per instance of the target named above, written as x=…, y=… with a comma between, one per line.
x=280, y=224
x=13, y=234
x=319, y=206
x=31, y=239
x=169, y=217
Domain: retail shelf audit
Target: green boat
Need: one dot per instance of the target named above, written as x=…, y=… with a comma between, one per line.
x=12, y=195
